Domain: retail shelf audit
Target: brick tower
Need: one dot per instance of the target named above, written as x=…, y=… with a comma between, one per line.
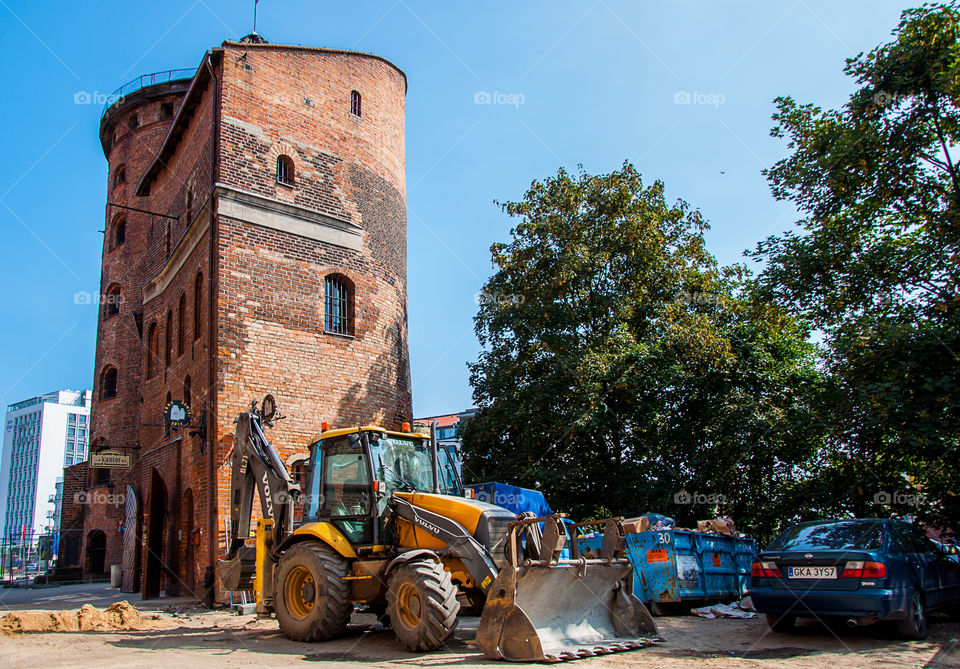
x=255, y=242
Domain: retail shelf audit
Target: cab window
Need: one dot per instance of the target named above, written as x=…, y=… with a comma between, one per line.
x=449, y=482
x=346, y=489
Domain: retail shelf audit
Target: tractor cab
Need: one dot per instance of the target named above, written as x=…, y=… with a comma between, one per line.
x=353, y=473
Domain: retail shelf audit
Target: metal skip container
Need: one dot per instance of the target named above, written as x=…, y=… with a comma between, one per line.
x=684, y=566
x=545, y=609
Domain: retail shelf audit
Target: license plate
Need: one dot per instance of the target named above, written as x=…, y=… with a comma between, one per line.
x=811, y=572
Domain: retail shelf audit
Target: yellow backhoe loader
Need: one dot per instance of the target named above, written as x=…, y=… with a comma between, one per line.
x=386, y=525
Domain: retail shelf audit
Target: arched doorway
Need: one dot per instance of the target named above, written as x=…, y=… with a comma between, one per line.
x=96, y=553
x=189, y=524
x=131, y=541
x=153, y=577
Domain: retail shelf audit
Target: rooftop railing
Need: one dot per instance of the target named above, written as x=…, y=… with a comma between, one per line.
x=145, y=80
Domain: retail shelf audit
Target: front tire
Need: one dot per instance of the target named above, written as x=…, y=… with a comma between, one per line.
x=311, y=595
x=422, y=605
x=914, y=626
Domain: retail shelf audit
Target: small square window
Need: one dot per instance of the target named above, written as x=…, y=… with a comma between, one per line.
x=166, y=110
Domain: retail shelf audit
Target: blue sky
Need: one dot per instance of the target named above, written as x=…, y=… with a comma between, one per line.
x=584, y=82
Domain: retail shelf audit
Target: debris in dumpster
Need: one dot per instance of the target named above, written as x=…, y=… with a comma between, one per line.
x=649, y=522
x=742, y=609
x=722, y=525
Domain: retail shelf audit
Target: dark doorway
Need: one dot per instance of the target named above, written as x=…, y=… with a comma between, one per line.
x=153, y=577
x=96, y=553
x=189, y=569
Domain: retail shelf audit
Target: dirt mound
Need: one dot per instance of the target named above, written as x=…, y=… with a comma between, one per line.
x=119, y=616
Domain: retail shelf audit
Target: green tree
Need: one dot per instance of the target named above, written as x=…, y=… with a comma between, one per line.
x=623, y=370
x=874, y=267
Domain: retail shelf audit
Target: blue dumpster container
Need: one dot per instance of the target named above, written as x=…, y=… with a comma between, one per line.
x=514, y=498
x=683, y=566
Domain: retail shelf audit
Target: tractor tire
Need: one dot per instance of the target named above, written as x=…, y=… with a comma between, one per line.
x=422, y=605
x=311, y=599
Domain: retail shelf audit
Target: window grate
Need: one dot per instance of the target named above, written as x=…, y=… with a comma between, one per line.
x=355, y=103
x=285, y=170
x=337, y=305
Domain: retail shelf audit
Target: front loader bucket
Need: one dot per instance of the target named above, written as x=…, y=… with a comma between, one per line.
x=546, y=611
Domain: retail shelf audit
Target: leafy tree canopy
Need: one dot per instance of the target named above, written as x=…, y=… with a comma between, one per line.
x=874, y=266
x=623, y=371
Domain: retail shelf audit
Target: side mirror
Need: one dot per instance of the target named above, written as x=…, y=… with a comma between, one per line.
x=268, y=408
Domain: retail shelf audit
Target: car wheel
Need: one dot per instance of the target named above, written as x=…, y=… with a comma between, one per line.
x=914, y=626
x=781, y=623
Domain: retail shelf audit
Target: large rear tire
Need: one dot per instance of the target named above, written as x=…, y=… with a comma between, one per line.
x=422, y=605
x=311, y=596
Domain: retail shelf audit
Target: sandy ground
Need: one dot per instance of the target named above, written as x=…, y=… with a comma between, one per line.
x=205, y=639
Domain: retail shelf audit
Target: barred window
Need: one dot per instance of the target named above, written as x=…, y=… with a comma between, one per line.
x=338, y=305
x=355, y=102
x=284, y=170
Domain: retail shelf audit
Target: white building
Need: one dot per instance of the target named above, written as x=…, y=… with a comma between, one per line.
x=42, y=436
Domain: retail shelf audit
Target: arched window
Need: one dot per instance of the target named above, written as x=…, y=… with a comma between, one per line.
x=108, y=383
x=118, y=233
x=168, y=340
x=120, y=175
x=187, y=398
x=181, y=322
x=153, y=350
x=355, y=103
x=197, y=304
x=338, y=305
x=133, y=121
x=284, y=170
x=166, y=428
x=111, y=301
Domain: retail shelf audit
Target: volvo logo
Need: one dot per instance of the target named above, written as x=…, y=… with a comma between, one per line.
x=430, y=527
x=266, y=495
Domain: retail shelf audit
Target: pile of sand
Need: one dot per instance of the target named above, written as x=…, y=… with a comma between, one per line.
x=119, y=616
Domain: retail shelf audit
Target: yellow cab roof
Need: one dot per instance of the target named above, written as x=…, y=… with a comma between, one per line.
x=339, y=432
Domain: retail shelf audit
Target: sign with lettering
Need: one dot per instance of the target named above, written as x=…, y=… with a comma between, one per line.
x=110, y=459
x=177, y=414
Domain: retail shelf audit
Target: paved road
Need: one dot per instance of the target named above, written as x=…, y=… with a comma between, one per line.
x=218, y=638
x=74, y=596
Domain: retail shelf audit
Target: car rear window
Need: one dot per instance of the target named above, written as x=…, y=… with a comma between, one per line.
x=831, y=536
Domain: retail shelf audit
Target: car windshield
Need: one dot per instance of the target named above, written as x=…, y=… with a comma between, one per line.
x=403, y=464
x=844, y=535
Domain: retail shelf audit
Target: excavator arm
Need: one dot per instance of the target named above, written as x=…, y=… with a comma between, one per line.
x=256, y=466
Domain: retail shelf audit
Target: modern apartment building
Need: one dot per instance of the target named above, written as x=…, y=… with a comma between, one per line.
x=42, y=435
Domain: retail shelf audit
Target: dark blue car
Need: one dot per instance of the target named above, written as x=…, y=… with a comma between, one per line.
x=862, y=570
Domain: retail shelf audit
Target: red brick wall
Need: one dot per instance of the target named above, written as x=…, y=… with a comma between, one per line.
x=267, y=285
